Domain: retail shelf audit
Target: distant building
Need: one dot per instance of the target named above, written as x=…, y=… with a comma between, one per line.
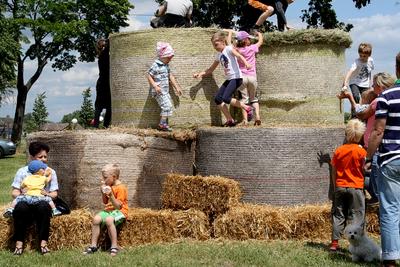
x=6, y=124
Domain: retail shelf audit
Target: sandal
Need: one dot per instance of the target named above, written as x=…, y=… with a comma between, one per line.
x=114, y=251
x=18, y=251
x=257, y=123
x=44, y=250
x=90, y=250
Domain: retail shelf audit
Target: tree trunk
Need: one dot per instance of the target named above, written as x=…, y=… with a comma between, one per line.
x=19, y=114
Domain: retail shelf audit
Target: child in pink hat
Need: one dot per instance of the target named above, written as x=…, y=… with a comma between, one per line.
x=159, y=77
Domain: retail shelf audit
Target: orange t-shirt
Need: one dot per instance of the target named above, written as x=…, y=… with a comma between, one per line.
x=121, y=193
x=348, y=161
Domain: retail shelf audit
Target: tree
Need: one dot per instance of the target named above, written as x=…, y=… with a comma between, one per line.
x=39, y=114
x=57, y=29
x=321, y=14
x=68, y=117
x=9, y=50
x=361, y=3
x=86, y=113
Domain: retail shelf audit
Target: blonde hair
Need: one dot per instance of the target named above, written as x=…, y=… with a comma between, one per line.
x=354, y=131
x=384, y=80
x=218, y=36
x=368, y=96
x=365, y=48
x=110, y=169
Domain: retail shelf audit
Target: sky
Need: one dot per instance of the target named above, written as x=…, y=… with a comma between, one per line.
x=377, y=23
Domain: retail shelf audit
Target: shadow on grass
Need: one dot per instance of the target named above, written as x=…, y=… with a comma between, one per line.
x=340, y=255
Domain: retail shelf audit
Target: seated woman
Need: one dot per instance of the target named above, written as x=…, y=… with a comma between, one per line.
x=25, y=214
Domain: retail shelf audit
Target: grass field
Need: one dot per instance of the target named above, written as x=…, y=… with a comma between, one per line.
x=184, y=253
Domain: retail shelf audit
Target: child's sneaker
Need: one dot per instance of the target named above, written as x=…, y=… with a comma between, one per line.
x=249, y=111
x=334, y=246
x=230, y=123
x=8, y=213
x=90, y=250
x=164, y=127
x=56, y=212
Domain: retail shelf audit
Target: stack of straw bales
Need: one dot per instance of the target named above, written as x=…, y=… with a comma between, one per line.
x=263, y=222
x=213, y=195
x=141, y=227
x=198, y=208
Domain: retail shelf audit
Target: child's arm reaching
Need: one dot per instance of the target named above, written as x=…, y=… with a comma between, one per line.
x=241, y=58
x=153, y=83
x=175, y=84
x=260, y=39
x=229, y=37
x=207, y=71
x=348, y=76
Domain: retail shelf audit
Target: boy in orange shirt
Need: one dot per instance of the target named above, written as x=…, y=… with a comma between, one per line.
x=115, y=198
x=348, y=205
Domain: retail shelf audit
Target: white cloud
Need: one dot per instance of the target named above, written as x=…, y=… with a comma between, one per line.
x=81, y=75
x=134, y=25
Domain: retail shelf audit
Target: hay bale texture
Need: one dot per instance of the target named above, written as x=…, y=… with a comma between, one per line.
x=276, y=166
x=213, y=194
x=142, y=226
x=144, y=160
x=263, y=222
x=289, y=89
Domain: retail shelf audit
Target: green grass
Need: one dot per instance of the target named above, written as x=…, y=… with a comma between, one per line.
x=186, y=253
x=8, y=167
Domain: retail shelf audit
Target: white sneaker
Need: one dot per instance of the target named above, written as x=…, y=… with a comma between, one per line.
x=56, y=212
x=8, y=213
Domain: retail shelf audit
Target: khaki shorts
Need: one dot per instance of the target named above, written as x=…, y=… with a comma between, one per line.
x=258, y=5
x=248, y=89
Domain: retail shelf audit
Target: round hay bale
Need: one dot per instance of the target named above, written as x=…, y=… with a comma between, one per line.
x=278, y=166
x=299, y=74
x=143, y=157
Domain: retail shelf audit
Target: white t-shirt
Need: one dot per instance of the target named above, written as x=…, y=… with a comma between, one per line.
x=179, y=7
x=362, y=72
x=229, y=63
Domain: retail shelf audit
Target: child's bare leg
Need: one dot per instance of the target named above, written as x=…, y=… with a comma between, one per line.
x=238, y=104
x=95, y=230
x=112, y=231
x=256, y=107
x=225, y=111
x=263, y=17
x=52, y=205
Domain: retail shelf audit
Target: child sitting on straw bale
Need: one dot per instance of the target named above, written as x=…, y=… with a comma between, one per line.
x=33, y=188
x=348, y=205
x=159, y=78
x=228, y=57
x=115, y=198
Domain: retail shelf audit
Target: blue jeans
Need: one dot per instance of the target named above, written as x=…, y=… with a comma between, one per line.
x=389, y=209
x=370, y=182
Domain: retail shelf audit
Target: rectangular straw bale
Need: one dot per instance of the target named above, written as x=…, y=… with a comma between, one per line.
x=71, y=231
x=252, y=222
x=309, y=221
x=151, y=226
x=270, y=222
x=147, y=226
x=211, y=194
x=192, y=224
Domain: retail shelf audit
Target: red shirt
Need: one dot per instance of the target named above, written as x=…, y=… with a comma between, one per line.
x=348, y=161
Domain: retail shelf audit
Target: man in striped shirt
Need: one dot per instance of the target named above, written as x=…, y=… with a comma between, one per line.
x=386, y=135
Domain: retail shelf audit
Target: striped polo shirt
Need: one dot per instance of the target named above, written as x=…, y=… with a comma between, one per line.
x=388, y=107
